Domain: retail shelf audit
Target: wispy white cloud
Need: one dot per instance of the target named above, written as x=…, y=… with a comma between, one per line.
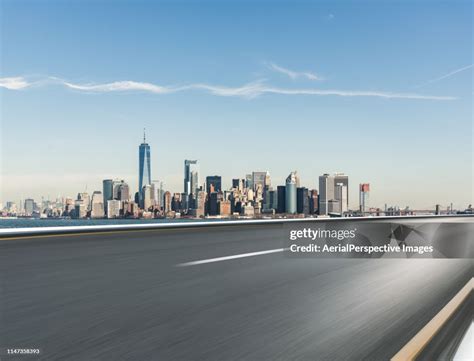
x=356, y=93
x=293, y=74
x=119, y=86
x=14, y=83
x=249, y=90
x=445, y=76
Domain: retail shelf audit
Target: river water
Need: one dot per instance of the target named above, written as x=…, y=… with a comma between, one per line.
x=52, y=222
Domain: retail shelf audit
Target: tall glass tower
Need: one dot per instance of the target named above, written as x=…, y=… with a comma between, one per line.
x=144, y=170
x=290, y=193
x=191, y=176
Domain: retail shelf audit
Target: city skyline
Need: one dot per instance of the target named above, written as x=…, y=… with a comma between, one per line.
x=332, y=191
x=340, y=88
x=252, y=196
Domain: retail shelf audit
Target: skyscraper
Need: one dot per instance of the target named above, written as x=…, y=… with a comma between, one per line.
x=216, y=181
x=302, y=200
x=200, y=204
x=326, y=193
x=341, y=178
x=333, y=193
x=248, y=181
x=120, y=190
x=213, y=209
x=273, y=195
x=144, y=168
x=364, y=190
x=191, y=176
x=258, y=179
x=176, y=202
x=97, y=205
x=116, y=189
x=157, y=193
x=124, y=191
x=313, y=201
x=281, y=202
x=239, y=184
x=268, y=181
x=166, y=202
x=341, y=196
x=107, y=191
x=290, y=193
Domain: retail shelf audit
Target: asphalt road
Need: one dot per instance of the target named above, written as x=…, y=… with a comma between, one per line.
x=123, y=296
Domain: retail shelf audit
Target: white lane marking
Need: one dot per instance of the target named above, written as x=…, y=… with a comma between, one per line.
x=226, y=258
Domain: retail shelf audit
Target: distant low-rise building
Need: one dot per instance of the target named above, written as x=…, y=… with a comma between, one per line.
x=29, y=206
x=147, y=197
x=200, y=209
x=113, y=208
x=224, y=208
x=86, y=200
x=97, y=205
x=248, y=210
x=80, y=209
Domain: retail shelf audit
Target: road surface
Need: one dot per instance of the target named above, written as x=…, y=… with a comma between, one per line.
x=142, y=295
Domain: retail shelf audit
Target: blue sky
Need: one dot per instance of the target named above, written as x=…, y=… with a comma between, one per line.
x=379, y=90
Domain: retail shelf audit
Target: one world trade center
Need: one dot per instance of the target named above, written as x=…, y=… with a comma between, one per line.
x=144, y=171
